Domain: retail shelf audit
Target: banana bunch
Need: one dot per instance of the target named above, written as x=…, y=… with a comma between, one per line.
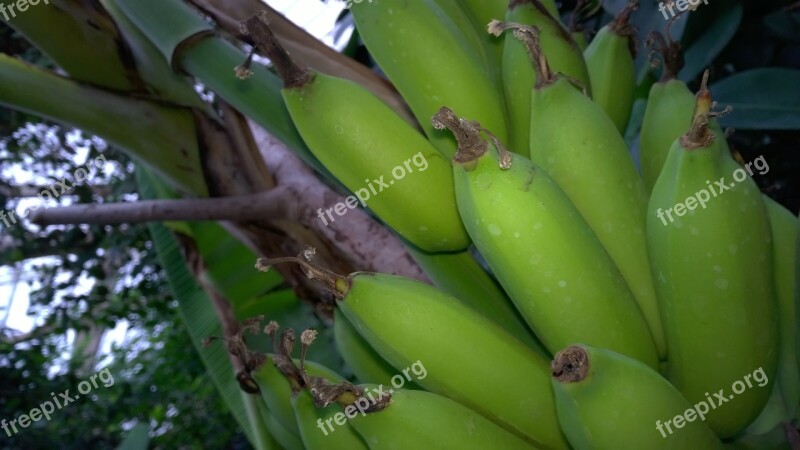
x=581, y=302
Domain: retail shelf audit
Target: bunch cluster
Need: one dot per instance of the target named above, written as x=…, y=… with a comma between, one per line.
x=606, y=323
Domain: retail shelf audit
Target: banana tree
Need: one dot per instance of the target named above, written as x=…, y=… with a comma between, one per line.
x=226, y=181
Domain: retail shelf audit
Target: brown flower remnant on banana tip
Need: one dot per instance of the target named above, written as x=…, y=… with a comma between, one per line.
x=570, y=365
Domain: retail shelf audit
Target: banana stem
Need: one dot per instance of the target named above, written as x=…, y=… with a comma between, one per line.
x=529, y=36
x=699, y=134
x=621, y=26
x=570, y=365
x=322, y=391
x=293, y=75
x=467, y=133
x=336, y=284
x=670, y=53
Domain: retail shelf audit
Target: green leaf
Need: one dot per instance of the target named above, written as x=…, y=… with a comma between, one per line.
x=761, y=99
x=159, y=135
x=197, y=312
x=785, y=24
x=702, y=51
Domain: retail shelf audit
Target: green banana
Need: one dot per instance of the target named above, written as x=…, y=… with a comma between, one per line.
x=367, y=365
x=714, y=274
x=411, y=323
x=580, y=40
x=357, y=137
x=475, y=36
x=592, y=165
x=668, y=112
x=784, y=239
x=609, y=60
x=422, y=420
x=772, y=415
x=606, y=400
x=797, y=303
x=518, y=74
x=284, y=436
x=542, y=251
x=430, y=63
x=460, y=275
x=316, y=426
x=480, y=13
x=277, y=392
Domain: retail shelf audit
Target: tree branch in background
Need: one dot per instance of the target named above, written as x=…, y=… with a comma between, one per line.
x=271, y=205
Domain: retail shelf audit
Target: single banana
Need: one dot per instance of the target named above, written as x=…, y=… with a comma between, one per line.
x=609, y=60
x=606, y=400
x=422, y=420
x=358, y=138
x=430, y=63
x=785, y=393
x=318, y=428
x=592, y=165
x=409, y=322
x=518, y=74
x=668, y=113
x=367, y=365
x=542, y=251
x=460, y=275
x=287, y=439
x=713, y=267
x=784, y=240
x=475, y=36
x=580, y=40
x=475, y=31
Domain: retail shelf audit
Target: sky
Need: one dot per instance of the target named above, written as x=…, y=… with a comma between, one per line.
x=316, y=17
